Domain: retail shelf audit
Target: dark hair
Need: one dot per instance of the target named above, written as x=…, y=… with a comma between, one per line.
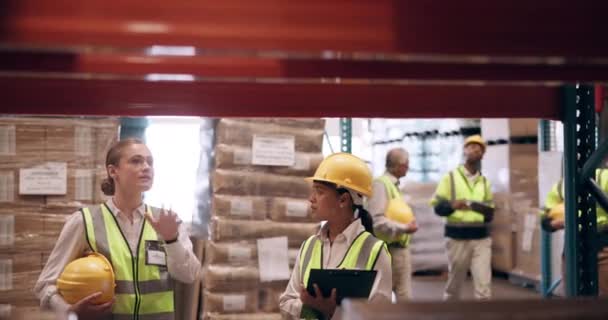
x=113, y=158
x=366, y=218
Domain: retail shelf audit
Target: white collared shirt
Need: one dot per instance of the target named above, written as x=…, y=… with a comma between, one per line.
x=333, y=253
x=182, y=264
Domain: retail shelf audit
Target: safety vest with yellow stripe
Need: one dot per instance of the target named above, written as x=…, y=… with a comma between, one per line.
x=456, y=186
x=143, y=291
x=556, y=196
x=393, y=194
x=362, y=254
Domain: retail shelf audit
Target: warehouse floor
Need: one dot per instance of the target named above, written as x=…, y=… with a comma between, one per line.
x=431, y=288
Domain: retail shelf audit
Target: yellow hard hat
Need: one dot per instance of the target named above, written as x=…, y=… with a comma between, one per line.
x=347, y=171
x=399, y=211
x=475, y=139
x=85, y=276
x=557, y=212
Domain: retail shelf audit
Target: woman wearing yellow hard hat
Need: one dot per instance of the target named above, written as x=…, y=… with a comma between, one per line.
x=118, y=260
x=345, y=241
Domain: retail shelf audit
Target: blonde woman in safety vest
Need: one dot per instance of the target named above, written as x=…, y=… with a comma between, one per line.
x=345, y=241
x=394, y=220
x=147, y=248
x=464, y=198
x=553, y=219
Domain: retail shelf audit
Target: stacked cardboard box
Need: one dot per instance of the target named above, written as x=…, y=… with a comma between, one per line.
x=252, y=202
x=30, y=224
x=511, y=164
x=427, y=247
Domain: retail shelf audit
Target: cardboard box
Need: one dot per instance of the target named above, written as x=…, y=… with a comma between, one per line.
x=234, y=132
x=528, y=245
x=236, y=230
x=259, y=184
x=233, y=302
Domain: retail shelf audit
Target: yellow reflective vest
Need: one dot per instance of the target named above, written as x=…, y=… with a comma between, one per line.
x=361, y=255
x=143, y=290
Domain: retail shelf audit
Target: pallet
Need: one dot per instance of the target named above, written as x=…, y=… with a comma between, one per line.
x=523, y=280
x=432, y=273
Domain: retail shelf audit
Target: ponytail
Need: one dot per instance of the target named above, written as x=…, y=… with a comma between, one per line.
x=366, y=219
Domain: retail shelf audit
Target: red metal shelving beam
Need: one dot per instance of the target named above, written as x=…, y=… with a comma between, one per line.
x=132, y=97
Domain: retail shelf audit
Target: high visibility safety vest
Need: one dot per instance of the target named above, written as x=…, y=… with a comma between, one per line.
x=456, y=186
x=143, y=291
x=393, y=194
x=556, y=196
x=362, y=254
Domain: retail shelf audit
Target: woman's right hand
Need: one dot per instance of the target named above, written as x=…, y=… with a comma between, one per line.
x=86, y=309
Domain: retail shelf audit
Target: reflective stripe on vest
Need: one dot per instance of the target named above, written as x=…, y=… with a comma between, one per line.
x=361, y=255
x=142, y=291
x=601, y=214
x=460, y=189
x=393, y=194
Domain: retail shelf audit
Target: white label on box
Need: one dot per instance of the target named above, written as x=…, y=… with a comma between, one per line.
x=234, y=302
x=296, y=209
x=49, y=178
x=7, y=186
x=6, y=274
x=7, y=140
x=239, y=254
x=83, y=141
x=84, y=184
x=273, y=150
x=528, y=235
x=7, y=230
x=273, y=259
x=241, y=207
x=302, y=163
x=241, y=157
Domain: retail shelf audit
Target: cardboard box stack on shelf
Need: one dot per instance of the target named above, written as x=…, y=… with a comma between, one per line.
x=511, y=164
x=259, y=198
x=427, y=248
x=47, y=171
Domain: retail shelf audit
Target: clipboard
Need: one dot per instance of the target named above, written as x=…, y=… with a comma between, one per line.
x=348, y=283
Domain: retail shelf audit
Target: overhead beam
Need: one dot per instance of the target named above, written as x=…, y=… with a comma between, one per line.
x=138, y=97
x=277, y=67
x=477, y=28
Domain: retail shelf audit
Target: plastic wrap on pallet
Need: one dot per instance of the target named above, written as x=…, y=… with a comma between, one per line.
x=240, y=158
x=231, y=230
x=302, y=123
x=22, y=231
x=18, y=275
x=257, y=183
x=234, y=132
x=223, y=278
x=427, y=246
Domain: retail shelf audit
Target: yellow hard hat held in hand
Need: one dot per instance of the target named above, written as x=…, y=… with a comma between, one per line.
x=85, y=276
x=399, y=211
x=557, y=212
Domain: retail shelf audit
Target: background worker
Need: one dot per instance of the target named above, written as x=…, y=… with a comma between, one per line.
x=464, y=198
x=393, y=220
x=147, y=247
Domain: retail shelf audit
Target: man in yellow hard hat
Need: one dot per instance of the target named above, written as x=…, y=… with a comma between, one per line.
x=553, y=219
x=393, y=220
x=464, y=198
